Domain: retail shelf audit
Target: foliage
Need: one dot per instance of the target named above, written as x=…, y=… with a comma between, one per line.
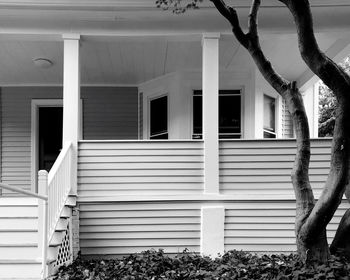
x=327, y=105
x=326, y=110
x=178, y=6
x=155, y=265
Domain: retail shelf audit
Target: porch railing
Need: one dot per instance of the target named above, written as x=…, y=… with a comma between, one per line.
x=56, y=186
x=59, y=186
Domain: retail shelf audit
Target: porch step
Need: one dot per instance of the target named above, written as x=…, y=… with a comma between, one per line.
x=19, y=268
x=19, y=238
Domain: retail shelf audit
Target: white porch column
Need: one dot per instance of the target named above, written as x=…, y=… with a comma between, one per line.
x=310, y=97
x=71, y=98
x=210, y=88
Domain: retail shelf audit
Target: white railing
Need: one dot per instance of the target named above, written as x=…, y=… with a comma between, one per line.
x=56, y=186
x=59, y=186
x=43, y=213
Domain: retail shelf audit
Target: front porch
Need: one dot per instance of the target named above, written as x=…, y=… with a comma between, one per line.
x=167, y=144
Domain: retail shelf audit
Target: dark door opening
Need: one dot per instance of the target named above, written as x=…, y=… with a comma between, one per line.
x=50, y=135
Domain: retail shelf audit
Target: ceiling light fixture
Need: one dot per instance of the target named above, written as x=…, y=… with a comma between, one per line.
x=43, y=63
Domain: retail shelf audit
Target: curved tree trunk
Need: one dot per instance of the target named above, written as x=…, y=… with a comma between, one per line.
x=339, y=82
x=311, y=218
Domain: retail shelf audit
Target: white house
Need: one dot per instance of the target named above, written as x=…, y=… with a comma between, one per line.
x=159, y=124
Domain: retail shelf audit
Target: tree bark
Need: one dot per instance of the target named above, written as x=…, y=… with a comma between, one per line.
x=341, y=241
x=339, y=82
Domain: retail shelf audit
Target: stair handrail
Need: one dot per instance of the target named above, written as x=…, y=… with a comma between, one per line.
x=43, y=219
x=22, y=191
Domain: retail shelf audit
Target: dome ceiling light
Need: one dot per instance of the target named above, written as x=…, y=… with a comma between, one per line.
x=42, y=63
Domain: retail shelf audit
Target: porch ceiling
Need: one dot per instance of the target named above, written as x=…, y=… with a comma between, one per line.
x=135, y=16
x=131, y=61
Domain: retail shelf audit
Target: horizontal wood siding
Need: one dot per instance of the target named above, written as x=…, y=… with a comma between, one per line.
x=110, y=112
x=264, y=166
x=287, y=122
x=16, y=132
x=125, y=228
x=266, y=226
x=140, y=167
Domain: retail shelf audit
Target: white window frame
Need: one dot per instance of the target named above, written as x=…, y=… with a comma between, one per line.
x=277, y=105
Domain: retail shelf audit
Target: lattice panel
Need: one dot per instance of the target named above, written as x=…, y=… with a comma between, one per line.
x=65, y=256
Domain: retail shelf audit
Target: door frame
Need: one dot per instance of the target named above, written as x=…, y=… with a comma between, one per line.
x=36, y=104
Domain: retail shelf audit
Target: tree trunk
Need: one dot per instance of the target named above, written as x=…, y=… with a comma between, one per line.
x=311, y=218
x=312, y=248
x=341, y=242
x=339, y=82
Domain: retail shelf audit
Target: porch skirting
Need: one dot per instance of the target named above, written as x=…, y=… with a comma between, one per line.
x=138, y=195
x=124, y=227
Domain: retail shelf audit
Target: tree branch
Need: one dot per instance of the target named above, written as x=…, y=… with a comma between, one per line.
x=231, y=15
x=338, y=81
x=290, y=93
x=253, y=18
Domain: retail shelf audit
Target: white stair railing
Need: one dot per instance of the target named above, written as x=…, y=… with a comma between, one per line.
x=53, y=191
x=56, y=185
x=59, y=186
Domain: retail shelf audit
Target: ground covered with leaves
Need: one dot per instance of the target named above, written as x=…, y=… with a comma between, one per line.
x=155, y=265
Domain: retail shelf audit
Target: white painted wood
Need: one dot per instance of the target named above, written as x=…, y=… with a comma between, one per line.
x=310, y=98
x=212, y=231
x=18, y=269
x=116, y=229
x=210, y=88
x=19, y=238
x=287, y=123
x=131, y=167
x=71, y=100
x=265, y=226
x=264, y=167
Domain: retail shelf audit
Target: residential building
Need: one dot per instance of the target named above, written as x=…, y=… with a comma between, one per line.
x=167, y=135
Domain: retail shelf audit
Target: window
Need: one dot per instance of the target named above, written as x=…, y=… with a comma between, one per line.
x=159, y=118
x=269, y=117
x=229, y=114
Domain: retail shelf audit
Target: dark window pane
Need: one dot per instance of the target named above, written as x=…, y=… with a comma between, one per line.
x=159, y=116
x=197, y=114
x=229, y=114
x=269, y=114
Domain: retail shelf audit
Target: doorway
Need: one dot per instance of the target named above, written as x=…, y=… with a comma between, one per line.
x=50, y=136
x=46, y=139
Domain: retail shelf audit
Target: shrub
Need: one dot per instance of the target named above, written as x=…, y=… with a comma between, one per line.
x=155, y=265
